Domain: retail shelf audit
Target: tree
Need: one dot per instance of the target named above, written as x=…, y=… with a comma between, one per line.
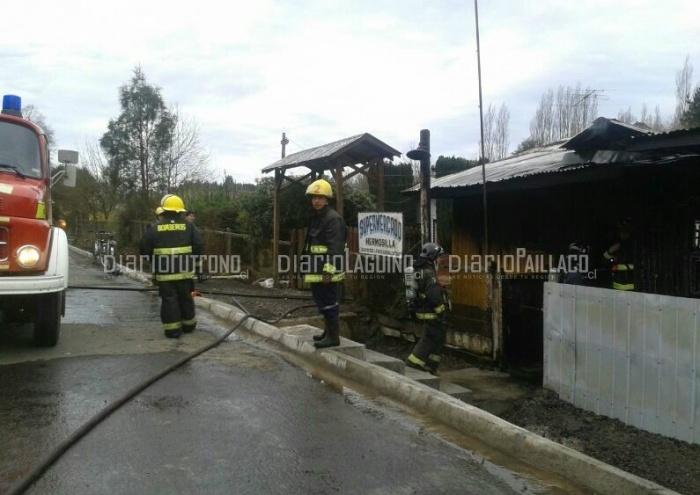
x=567, y=114
x=184, y=159
x=32, y=113
x=691, y=117
x=496, y=133
x=526, y=145
x=646, y=119
x=397, y=178
x=102, y=193
x=139, y=143
x=501, y=141
x=684, y=89
x=446, y=165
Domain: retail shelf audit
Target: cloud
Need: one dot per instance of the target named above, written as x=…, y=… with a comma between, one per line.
x=325, y=70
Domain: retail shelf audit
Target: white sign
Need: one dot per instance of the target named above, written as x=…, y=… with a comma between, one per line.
x=380, y=233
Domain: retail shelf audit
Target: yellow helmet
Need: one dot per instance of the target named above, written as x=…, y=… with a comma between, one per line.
x=62, y=224
x=170, y=202
x=319, y=187
x=159, y=210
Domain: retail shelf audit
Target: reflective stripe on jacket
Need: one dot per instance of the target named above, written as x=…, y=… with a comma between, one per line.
x=174, y=247
x=431, y=302
x=324, y=250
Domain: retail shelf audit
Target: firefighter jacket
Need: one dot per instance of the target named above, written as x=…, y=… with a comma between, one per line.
x=324, y=250
x=431, y=298
x=174, y=247
x=622, y=266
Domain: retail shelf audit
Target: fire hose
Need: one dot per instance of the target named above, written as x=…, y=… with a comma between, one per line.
x=66, y=444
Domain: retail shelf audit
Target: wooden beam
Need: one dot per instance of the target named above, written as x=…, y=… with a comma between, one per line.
x=338, y=176
x=279, y=178
x=380, y=183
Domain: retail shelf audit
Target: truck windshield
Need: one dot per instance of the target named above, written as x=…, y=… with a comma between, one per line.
x=19, y=150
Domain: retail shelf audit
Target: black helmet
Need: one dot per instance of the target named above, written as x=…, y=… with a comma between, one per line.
x=431, y=251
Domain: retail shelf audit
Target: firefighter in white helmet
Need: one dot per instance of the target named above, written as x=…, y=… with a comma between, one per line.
x=174, y=246
x=325, y=252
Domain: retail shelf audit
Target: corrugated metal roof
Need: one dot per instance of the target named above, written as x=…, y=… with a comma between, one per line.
x=606, y=134
x=607, y=141
x=536, y=161
x=361, y=148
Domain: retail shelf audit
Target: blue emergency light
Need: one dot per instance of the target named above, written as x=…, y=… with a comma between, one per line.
x=12, y=103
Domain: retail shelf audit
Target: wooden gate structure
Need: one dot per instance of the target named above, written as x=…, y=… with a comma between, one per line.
x=360, y=154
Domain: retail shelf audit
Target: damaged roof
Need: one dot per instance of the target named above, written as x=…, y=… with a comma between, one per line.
x=361, y=148
x=598, y=152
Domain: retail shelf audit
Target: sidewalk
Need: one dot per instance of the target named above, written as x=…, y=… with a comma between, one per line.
x=421, y=391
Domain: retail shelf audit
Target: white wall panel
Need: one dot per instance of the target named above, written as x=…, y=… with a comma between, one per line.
x=625, y=355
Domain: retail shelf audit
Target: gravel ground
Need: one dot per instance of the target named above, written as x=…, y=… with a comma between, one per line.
x=670, y=463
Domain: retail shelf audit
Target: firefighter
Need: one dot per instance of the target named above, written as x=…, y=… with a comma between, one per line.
x=173, y=246
x=190, y=216
x=323, y=262
x=573, y=275
x=431, y=308
x=620, y=257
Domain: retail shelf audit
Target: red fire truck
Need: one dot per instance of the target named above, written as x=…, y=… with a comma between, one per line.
x=33, y=251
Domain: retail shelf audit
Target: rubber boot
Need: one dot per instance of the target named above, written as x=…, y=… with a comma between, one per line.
x=332, y=337
x=320, y=337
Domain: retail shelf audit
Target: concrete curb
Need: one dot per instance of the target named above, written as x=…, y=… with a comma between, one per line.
x=517, y=442
x=524, y=445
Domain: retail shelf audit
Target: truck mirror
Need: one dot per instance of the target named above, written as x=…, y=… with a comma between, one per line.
x=68, y=156
x=70, y=175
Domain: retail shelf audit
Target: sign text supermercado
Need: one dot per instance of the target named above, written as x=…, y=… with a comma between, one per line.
x=380, y=233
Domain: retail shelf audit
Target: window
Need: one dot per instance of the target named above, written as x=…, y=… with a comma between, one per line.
x=19, y=148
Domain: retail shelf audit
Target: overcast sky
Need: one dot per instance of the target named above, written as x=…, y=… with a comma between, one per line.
x=324, y=70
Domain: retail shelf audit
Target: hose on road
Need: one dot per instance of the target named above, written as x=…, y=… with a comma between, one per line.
x=66, y=444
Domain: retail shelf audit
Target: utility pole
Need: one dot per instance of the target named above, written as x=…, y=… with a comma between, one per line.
x=279, y=176
x=422, y=154
x=481, y=119
x=284, y=144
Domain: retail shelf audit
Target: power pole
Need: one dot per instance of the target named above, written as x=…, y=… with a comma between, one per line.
x=422, y=154
x=284, y=144
x=481, y=119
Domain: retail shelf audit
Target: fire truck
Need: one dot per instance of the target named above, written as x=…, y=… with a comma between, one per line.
x=33, y=251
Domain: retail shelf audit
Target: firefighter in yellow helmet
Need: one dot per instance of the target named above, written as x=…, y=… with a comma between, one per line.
x=323, y=264
x=174, y=246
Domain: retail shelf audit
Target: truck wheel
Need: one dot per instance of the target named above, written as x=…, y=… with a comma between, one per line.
x=47, y=322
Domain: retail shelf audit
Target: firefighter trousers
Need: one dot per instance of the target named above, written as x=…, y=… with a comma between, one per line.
x=177, y=307
x=426, y=353
x=326, y=299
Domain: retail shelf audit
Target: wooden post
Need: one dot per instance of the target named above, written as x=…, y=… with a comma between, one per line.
x=279, y=176
x=425, y=186
x=338, y=175
x=380, y=184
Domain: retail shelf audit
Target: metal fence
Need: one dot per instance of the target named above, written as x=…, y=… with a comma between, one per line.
x=625, y=355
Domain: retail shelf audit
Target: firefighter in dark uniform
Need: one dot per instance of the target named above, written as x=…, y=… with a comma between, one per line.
x=174, y=246
x=323, y=264
x=620, y=256
x=431, y=309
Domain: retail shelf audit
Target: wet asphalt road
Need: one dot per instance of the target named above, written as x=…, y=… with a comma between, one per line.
x=239, y=419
